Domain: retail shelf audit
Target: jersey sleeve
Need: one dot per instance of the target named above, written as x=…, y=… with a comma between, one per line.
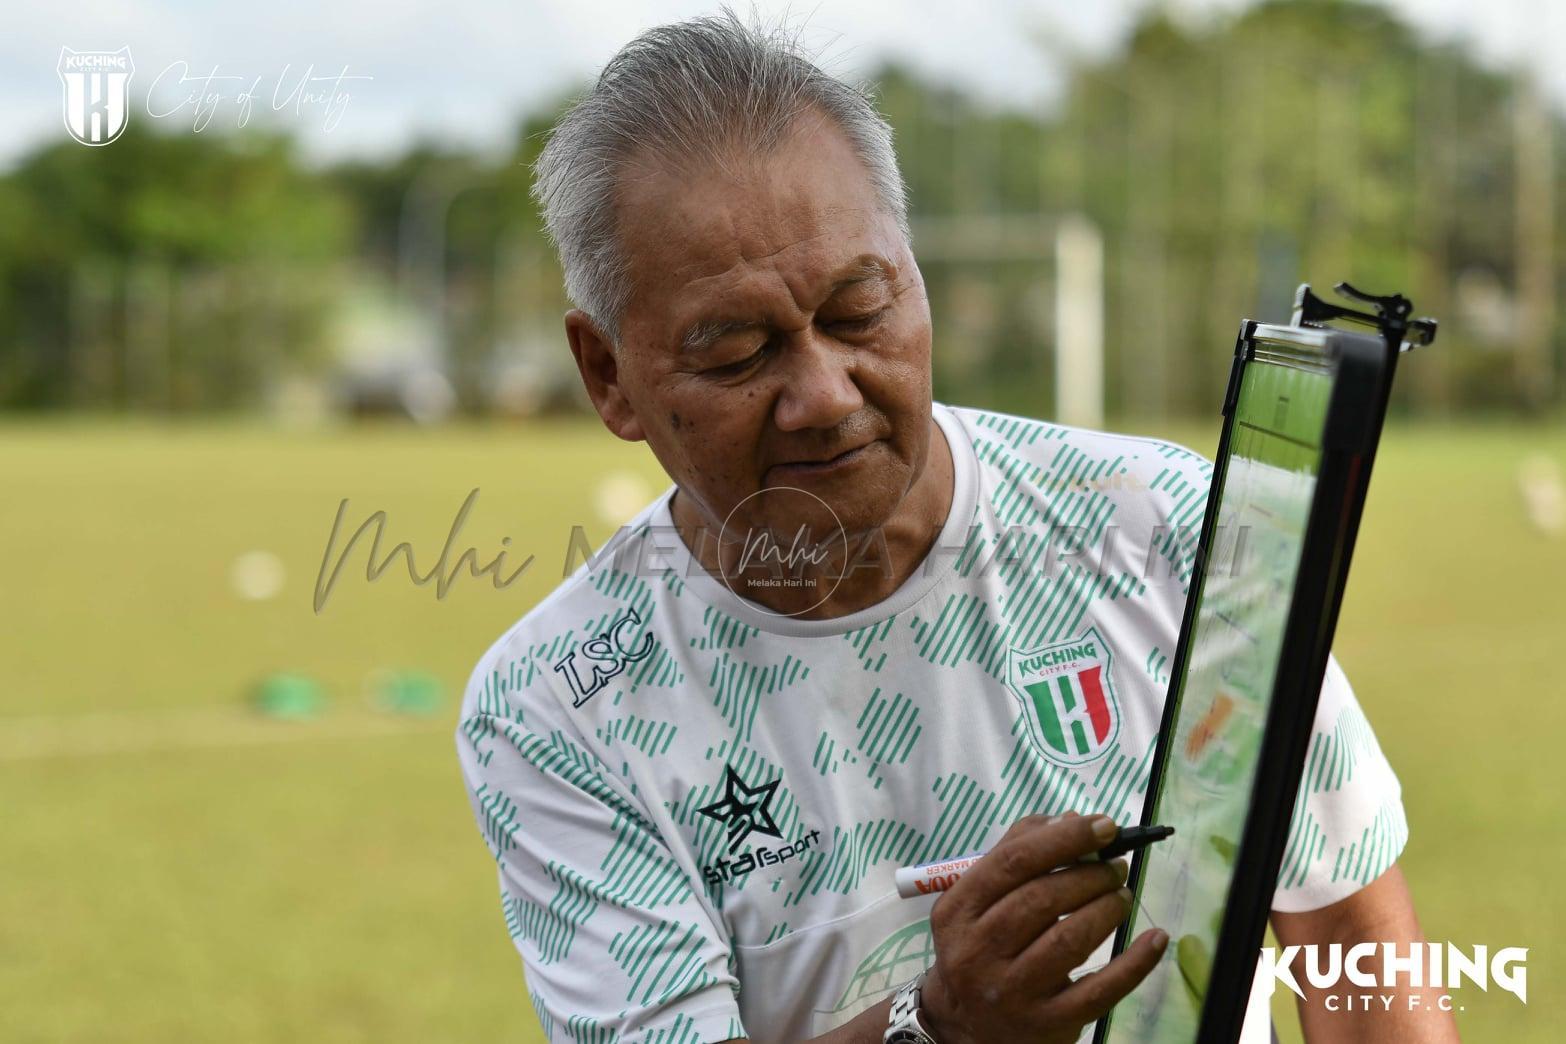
x=614, y=943
x=1348, y=824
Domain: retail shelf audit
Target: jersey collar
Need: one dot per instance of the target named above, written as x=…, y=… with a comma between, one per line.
x=940, y=560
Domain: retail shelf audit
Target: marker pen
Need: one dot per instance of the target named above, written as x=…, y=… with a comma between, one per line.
x=928, y=878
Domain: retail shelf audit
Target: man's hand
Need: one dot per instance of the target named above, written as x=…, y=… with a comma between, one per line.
x=1009, y=933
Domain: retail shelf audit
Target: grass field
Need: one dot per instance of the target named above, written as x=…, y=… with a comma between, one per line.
x=176, y=869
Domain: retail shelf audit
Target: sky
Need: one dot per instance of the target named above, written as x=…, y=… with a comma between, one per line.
x=461, y=70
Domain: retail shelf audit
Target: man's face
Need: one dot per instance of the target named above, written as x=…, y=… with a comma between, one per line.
x=778, y=337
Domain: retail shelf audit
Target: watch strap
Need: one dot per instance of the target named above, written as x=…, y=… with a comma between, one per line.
x=904, y=1025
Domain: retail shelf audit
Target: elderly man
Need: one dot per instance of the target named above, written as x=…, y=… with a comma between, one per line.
x=699, y=762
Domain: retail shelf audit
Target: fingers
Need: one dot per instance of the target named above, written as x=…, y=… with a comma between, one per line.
x=1027, y=912
x=1033, y=846
x=1047, y=962
x=1091, y=997
x=1011, y=930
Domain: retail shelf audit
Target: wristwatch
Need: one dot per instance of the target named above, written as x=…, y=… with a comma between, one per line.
x=904, y=1026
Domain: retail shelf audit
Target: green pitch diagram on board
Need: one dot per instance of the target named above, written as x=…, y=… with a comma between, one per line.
x=1222, y=703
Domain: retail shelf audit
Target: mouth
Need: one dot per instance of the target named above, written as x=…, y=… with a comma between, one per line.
x=807, y=469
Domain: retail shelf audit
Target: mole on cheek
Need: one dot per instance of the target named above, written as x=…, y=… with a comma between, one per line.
x=674, y=419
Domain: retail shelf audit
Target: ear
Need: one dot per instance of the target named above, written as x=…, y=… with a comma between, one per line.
x=600, y=371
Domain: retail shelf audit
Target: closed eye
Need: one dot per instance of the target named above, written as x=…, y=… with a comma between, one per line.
x=734, y=369
x=857, y=324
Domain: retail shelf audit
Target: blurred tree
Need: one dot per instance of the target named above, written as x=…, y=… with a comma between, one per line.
x=169, y=271
x=1225, y=159
x=1290, y=142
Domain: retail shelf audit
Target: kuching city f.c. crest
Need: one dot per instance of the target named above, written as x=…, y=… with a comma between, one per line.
x=97, y=93
x=1068, y=699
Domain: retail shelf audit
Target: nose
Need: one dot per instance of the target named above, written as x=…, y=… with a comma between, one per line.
x=819, y=391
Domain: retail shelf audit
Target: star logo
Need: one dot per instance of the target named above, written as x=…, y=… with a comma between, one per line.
x=744, y=809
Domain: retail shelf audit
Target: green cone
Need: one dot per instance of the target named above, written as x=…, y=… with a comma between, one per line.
x=289, y=696
x=406, y=692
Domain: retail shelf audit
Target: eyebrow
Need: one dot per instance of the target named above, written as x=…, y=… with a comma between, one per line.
x=701, y=335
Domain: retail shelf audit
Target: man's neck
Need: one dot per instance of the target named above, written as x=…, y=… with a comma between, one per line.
x=879, y=561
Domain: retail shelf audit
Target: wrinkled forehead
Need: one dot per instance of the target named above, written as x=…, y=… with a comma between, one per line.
x=797, y=213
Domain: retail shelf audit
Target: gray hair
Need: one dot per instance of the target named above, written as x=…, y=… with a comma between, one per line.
x=702, y=89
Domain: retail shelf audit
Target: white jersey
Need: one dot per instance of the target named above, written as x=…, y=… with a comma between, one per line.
x=697, y=806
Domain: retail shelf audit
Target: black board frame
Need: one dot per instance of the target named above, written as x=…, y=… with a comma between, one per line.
x=1362, y=367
